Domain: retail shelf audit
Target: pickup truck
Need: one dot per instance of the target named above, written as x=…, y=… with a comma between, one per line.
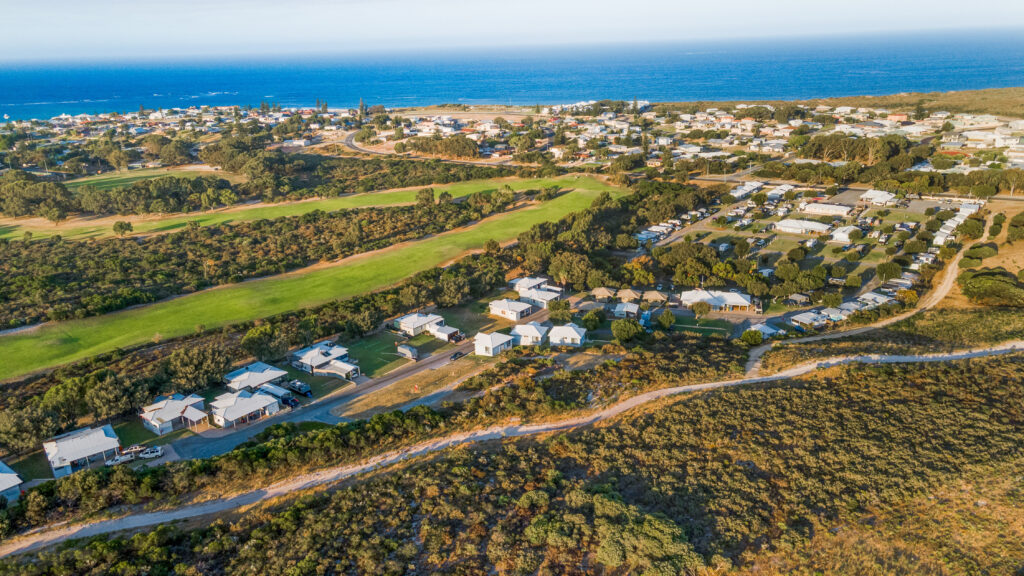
x=299, y=387
x=120, y=459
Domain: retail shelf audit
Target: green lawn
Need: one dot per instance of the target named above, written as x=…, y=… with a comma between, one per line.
x=62, y=342
x=32, y=466
x=113, y=180
x=376, y=354
x=155, y=223
x=319, y=385
x=133, y=432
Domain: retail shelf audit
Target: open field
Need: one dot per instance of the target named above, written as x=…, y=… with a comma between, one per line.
x=81, y=228
x=58, y=343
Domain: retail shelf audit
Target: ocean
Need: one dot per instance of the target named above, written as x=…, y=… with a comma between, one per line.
x=684, y=71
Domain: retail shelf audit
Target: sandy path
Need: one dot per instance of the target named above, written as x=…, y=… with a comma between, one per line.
x=46, y=536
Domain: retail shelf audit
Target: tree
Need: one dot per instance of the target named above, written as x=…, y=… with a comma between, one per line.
x=558, y=311
x=263, y=342
x=908, y=297
x=667, y=320
x=197, y=367
x=853, y=281
x=106, y=398
x=121, y=227
x=742, y=248
x=425, y=197
x=700, y=309
x=626, y=330
x=752, y=337
x=888, y=271
x=592, y=320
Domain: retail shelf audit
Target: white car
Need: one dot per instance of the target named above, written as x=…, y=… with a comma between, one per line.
x=120, y=459
x=152, y=452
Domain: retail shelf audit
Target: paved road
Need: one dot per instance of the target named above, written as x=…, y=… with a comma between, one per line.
x=46, y=537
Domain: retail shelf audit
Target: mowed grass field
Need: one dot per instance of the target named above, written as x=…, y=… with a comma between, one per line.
x=59, y=343
x=83, y=228
x=112, y=180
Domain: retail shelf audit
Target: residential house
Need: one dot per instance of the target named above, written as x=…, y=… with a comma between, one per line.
x=492, y=344
x=719, y=300
x=809, y=320
x=250, y=377
x=626, y=310
x=10, y=484
x=655, y=297
x=325, y=358
x=416, y=323
x=843, y=234
x=234, y=408
x=628, y=295
x=603, y=294
x=73, y=451
x=568, y=335
x=513, y=310
x=767, y=330
x=539, y=297
x=529, y=334
x=169, y=413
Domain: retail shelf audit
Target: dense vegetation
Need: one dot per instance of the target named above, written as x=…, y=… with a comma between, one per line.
x=512, y=390
x=55, y=280
x=452, y=147
x=721, y=480
x=934, y=330
x=270, y=176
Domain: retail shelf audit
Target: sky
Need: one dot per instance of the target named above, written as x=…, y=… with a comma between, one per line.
x=77, y=30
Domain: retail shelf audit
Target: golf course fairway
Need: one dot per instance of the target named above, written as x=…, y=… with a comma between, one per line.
x=58, y=343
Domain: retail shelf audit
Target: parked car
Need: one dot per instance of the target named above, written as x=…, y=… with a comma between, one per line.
x=456, y=356
x=134, y=450
x=290, y=402
x=152, y=452
x=300, y=387
x=120, y=459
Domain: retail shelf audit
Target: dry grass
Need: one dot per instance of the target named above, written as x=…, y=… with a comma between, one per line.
x=971, y=526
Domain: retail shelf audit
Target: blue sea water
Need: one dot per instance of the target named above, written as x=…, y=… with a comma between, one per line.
x=685, y=71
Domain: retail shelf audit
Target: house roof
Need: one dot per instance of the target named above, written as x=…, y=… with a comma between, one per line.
x=655, y=296
x=73, y=446
x=540, y=295
x=715, y=298
x=808, y=318
x=510, y=305
x=531, y=329
x=492, y=340
x=627, y=307
x=234, y=405
x=520, y=284
x=568, y=331
x=766, y=329
x=168, y=409
x=320, y=353
x=603, y=292
x=253, y=375
x=416, y=319
x=8, y=477
x=628, y=294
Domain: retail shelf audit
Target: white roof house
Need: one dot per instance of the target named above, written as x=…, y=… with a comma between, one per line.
x=877, y=197
x=10, y=483
x=793, y=226
x=528, y=283
x=529, y=334
x=239, y=407
x=568, y=335
x=171, y=412
x=509, y=309
x=491, y=344
x=318, y=355
x=538, y=297
x=842, y=234
x=251, y=376
x=626, y=310
x=767, y=330
x=719, y=300
x=76, y=450
x=417, y=323
x=809, y=320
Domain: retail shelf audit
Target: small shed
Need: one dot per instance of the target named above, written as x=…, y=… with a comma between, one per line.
x=407, y=351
